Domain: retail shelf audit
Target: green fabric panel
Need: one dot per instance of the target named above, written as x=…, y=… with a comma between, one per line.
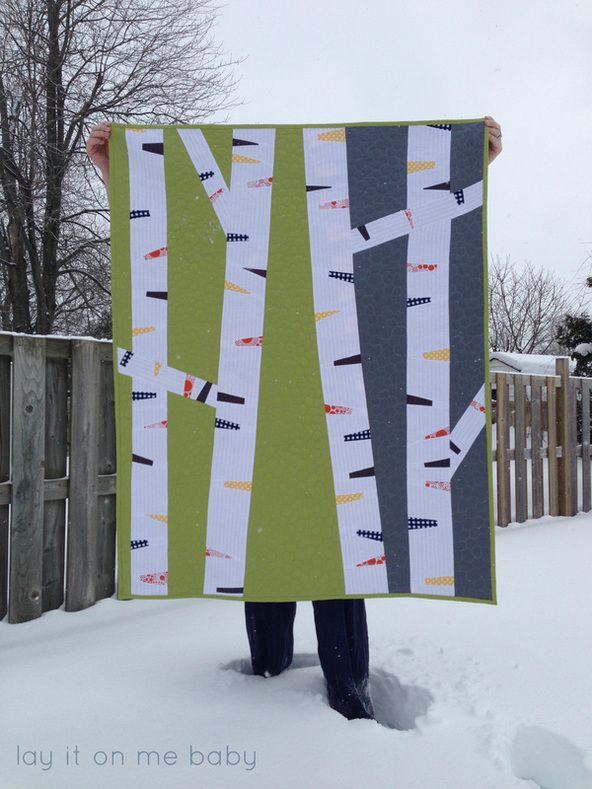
x=488, y=406
x=121, y=289
x=196, y=269
x=293, y=529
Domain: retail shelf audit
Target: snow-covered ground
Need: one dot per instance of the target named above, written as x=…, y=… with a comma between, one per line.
x=468, y=695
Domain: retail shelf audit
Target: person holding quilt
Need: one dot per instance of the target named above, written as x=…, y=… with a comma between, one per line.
x=341, y=626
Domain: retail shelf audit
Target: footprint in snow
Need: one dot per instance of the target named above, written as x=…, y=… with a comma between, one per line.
x=549, y=760
x=396, y=706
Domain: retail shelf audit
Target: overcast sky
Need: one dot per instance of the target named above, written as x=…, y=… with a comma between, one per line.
x=525, y=62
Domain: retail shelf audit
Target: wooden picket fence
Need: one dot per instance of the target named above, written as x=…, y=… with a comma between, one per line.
x=57, y=465
x=57, y=474
x=541, y=449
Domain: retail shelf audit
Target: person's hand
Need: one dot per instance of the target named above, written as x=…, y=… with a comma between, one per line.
x=97, y=148
x=495, y=137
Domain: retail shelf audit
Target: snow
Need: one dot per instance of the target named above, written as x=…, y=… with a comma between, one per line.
x=529, y=363
x=56, y=336
x=467, y=695
x=584, y=349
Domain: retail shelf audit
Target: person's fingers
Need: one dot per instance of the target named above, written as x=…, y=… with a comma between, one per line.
x=494, y=136
x=103, y=128
x=95, y=145
x=98, y=138
x=495, y=142
x=495, y=130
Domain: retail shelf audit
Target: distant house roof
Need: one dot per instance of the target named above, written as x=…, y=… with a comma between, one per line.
x=527, y=363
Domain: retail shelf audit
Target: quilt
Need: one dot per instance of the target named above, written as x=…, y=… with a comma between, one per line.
x=300, y=360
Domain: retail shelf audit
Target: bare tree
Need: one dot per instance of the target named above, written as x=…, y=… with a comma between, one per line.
x=526, y=305
x=65, y=64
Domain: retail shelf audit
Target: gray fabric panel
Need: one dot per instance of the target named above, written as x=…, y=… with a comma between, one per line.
x=469, y=491
x=380, y=277
x=377, y=175
x=377, y=156
x=465, y=293
x=470, y=516
x=466, y=155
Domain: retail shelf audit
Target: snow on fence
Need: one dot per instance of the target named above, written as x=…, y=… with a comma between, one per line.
x=57, y=465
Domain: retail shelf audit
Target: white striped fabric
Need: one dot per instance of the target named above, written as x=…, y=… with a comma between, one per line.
x=431, y=553
x=439, y=209
x=337, y=337
x=466, y=430
x=243, y=211
x=149, y=483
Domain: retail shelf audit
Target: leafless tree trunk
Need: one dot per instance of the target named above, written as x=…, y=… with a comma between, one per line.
x=526, y=304
x=64, y=65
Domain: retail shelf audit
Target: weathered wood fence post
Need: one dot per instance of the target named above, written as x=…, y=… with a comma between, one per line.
x=504, y=514
x=28, y=473
x=5, y=401
x=566, y=430
x=82, y=502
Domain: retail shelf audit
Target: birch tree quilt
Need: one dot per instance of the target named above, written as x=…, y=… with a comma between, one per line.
x=300, y=357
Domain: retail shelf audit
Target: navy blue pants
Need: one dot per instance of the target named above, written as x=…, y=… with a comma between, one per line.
x=342, y=636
